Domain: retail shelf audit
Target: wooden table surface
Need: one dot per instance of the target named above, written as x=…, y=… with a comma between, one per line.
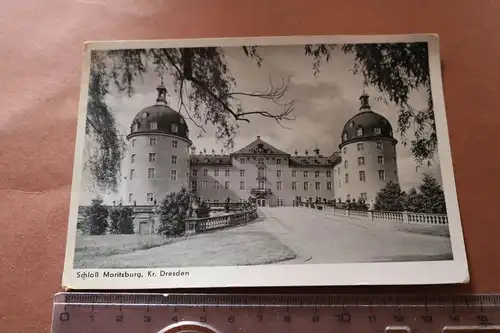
x=41, y=46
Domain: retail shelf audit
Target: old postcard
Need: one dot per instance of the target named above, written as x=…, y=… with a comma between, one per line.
x=277, y=161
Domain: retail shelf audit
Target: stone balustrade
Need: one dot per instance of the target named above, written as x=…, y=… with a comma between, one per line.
x=197, y=225
x=403, y=217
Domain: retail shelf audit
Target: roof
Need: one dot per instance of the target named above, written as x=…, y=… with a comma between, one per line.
x=259, y=147
x=210, y=159
x=366, y=125
x=164, y=117
x=312, y=161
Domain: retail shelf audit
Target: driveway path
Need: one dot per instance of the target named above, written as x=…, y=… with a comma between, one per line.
x=318, y=238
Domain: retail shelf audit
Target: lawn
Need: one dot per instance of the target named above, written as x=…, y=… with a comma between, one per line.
x=243, y=245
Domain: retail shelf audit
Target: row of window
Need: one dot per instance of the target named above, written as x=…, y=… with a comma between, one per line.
x=154, y=125
x=152, y=174
x=260, y=173
x=261, y=161
x=152, y=158
x=362, y=176
x=261, y=185
x=153, y=141
x=360, y=147
x=361, y=161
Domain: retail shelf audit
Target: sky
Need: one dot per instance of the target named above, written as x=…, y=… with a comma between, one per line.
x=323, y=104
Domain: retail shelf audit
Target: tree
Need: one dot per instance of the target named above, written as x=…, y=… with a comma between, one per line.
x=414, y=201
x=432, y=195
x=173, y=211
x=120, y=220
x=96, y=216
x=207, y=92
x=390, y=198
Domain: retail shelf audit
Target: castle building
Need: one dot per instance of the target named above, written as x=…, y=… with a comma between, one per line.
x=162, y=159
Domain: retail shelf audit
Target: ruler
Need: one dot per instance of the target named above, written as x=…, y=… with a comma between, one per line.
x=218, y=313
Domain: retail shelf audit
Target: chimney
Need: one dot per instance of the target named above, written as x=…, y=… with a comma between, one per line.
x=193, y=150
x=316, y=151
x=222, y=151
x=204, y=151
x=213, y=152
x=296, y=153
x=307, y=153
x=201, y=152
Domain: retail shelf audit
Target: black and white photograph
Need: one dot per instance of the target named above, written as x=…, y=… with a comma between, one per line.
x=263, y=162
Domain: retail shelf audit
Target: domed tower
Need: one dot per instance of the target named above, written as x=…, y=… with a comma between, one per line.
x=157, y=153
x=368, y=151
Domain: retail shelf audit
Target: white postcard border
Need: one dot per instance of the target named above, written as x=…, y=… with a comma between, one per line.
x=394, y=273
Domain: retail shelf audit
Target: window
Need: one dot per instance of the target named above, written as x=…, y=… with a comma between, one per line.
x=381, y=174
x=378, y=130
x=242, y=185
x=204, y=184
x=329, y=173
x=194, y=172
x=136, y=126
x=217, y=185
x=216, y=172
x=306, y=174
x=152, y=157
x=380, y=159
x=133, y=143
x=359, y=132
x=345, y=164
x=294, y=185
x=278, y=161
x=344, y=137
x=227, y=173
x=175, y=128
x=152, y=141
x=316, y=174
x=294, y=173
x=242, y=161
x=359, y=147
x=150, y=197
x=130, y=196
x=173, y=174
x=361, y=161
x=306, y=186
x=363, y=196
x=132, y=171
x=379, y=146
x=153, y=125
x=227, y=185
x=278, y=185
x=260, y=172
x=347, y=178
x=193, y=185
x=261, y=185
x=260, y=161
x=329, y=186
x=340, y=184
x=242, y=173
x=318, y=186
x=205, y=172
x=345, y=150
x=278, y=173
x=174, y=144
x=174, y=159
x=348, y=197
x=132, y=158
x=362, y=176
x=151, y=173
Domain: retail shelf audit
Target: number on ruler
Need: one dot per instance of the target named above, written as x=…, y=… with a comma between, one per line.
x=260, y=318
x=372, y=318
x=455, y=318
x=399, y=318
x=147, y=319
x=344, y=317
x=203, y=319
x=427, y=319
x=174, y=319
x=119, y=319
x=287, y=319
x=315, y=319
x=482, y=318
x=64, y=316
x=231, y=319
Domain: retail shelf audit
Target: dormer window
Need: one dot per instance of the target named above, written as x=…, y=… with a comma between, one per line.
x=378, y=130
x=344, y=137
x=359, y=131
x=136, y=126
x=175, y=128
x=153, y=125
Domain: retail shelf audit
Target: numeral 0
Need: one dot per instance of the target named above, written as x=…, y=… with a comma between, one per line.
x=344, y=317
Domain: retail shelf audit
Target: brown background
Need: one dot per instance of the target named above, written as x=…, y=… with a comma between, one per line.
x=40, y=60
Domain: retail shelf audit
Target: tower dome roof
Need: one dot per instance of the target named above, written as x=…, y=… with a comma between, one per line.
x=366, y=125
x=159, y=118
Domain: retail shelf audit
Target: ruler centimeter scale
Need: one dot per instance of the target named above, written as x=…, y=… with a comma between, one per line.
x=216, y=313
